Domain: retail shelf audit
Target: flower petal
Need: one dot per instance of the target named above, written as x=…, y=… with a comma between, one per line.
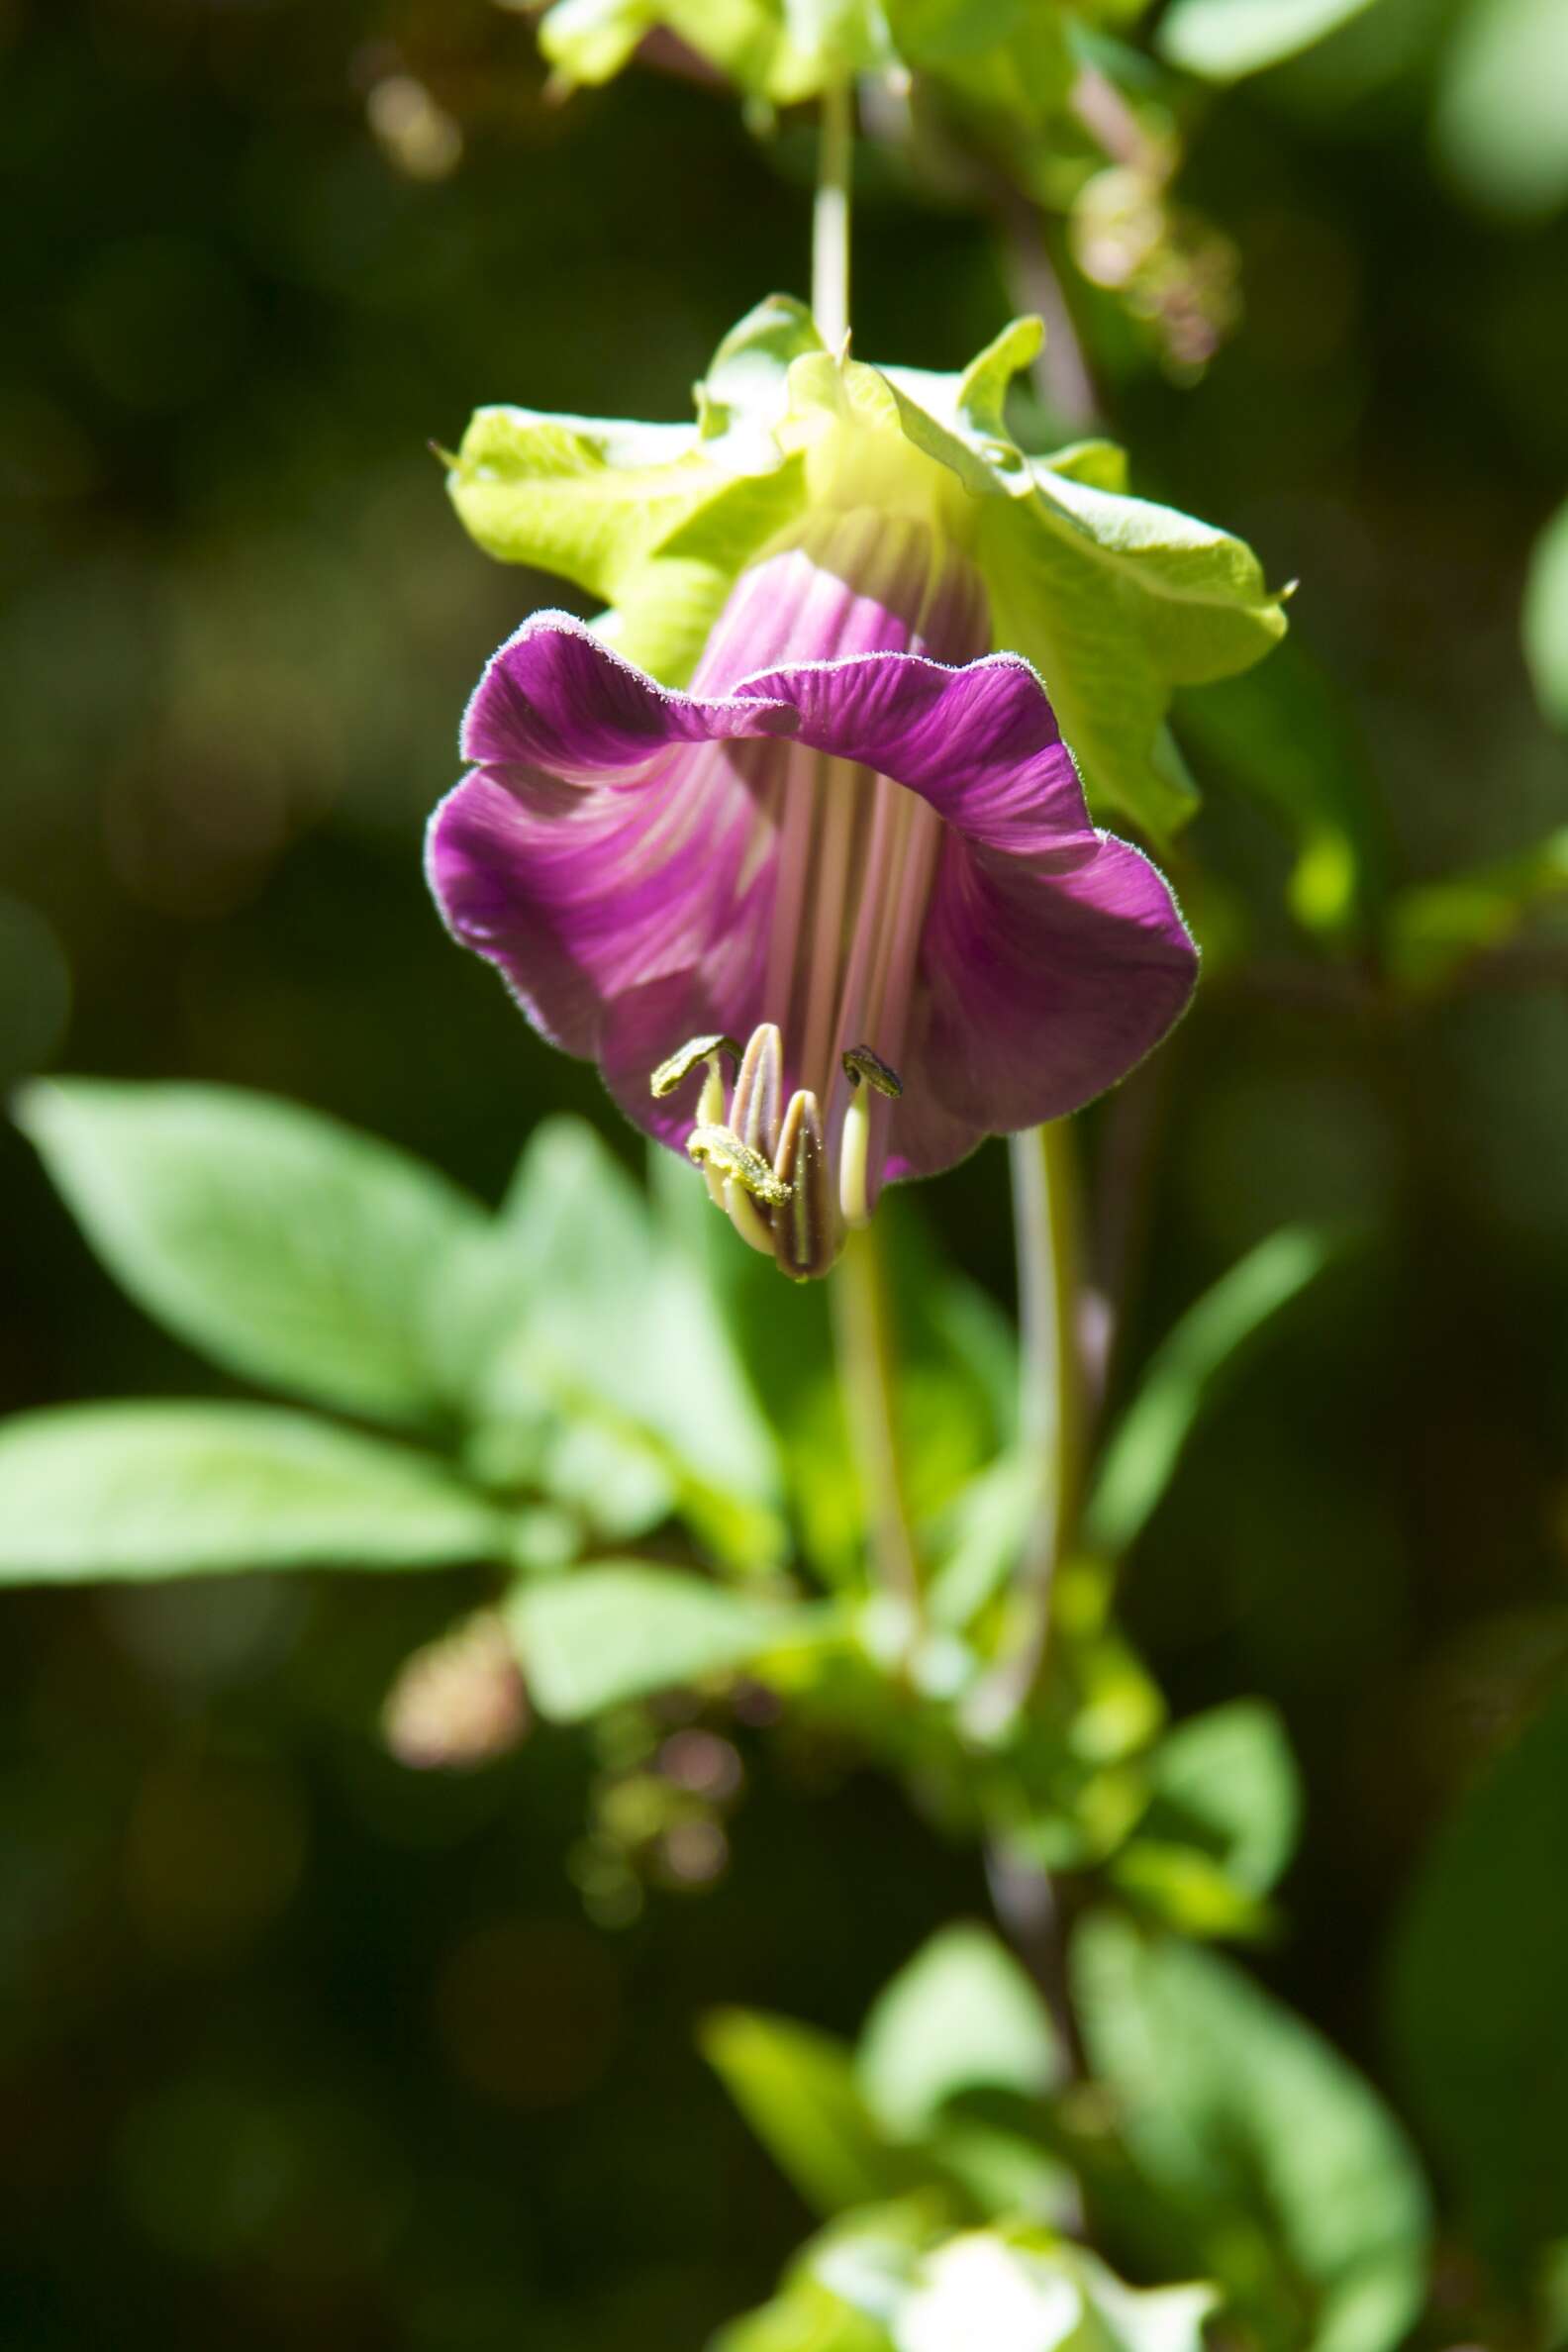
x=981, y=744
x=1054, y=956
x=1042, y=990
x=610, y=856
x=557, y=698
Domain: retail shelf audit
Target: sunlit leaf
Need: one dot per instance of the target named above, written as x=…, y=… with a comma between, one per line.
x=1179, y=1886
x=288, y=1248
x=1481, y=1967
x=1227, y=1781
x=1501, y=125
x=653, y=518
x=1223, y=40
x=962, y=2015
x=1292, y=2182
x=797, y=2089
x=622, y=1329
x=141, y=1490
x=620, y=1630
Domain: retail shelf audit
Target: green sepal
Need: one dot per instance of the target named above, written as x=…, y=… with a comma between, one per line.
x=1117, y=601
x=654, y=520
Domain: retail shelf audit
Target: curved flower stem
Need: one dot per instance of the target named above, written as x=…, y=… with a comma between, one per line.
x=863, y=1345
x=1052, y=1400
x=831, y=216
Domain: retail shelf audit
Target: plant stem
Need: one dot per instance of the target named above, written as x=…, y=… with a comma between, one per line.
x=831, y=216
x=1050, y=1396
x=1051, y=1422
x=863, y=1345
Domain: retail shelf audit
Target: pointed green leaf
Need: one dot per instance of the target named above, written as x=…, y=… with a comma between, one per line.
x=618, y=1630
x=175, y=1490
x=1184, y=1375
x=961, y=2015
x=1227, y=1781
x=1292, y=2182
x=797, y=2089
x=656, y=520
x=286, y=1247
x=1115, y=600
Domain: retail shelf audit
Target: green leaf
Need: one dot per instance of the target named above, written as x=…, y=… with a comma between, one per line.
x=1501, y=125
x=1185, y=1374
x=980, y=1538
x=1479, y=2006
x=1007, y=60
x=1226, y=1782
x=656, y=520
x=1546, y=617
x=961, y=2015
x=1178, y=1886
x=622, y=1329
x=589, y=40
x=1289, y=2178
x=1435, y=930
x=797, y=2089
x=175, y=1490
x=614, y=1631
x=1223, y=40
x=1116, y=602
x=288, y=1248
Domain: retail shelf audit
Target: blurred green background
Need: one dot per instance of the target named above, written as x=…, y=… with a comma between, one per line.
x=301, y=2046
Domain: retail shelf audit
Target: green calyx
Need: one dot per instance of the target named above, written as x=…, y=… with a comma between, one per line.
x=1115, y=601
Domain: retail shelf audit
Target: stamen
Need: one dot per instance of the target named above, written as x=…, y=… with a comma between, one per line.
x=711, y=1113
x=722, y=1148
x=854, y=1161
x=681, y=1065
x=854, y=1144
x=758, y=1093
x=860, y=1062
x=805, y=1234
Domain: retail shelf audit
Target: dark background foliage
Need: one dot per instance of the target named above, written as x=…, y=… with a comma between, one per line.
x=300, y=2047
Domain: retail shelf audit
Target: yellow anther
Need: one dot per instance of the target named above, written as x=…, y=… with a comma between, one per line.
x=860, y=1062
x=720, y=1148
x=680, y=1065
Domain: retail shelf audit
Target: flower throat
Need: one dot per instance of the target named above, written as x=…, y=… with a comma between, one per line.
x=793, y=1143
